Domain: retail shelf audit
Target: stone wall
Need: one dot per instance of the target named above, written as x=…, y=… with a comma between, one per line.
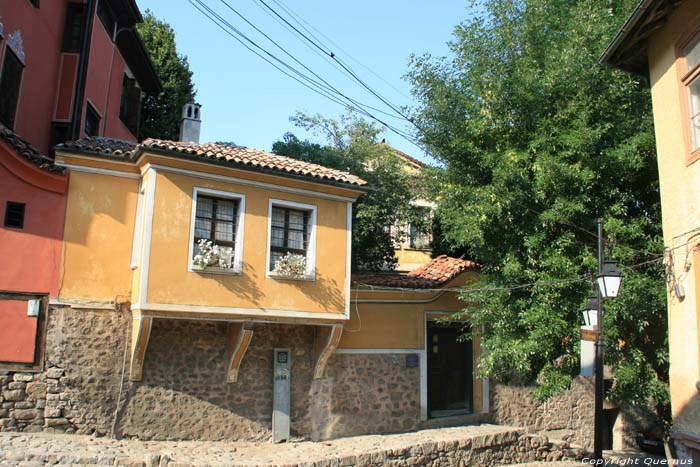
x=568, y=416
x=184, y=393
x=366, y=393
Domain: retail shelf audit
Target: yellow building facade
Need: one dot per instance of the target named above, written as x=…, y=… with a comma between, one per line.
x=204, y=261
x=661, y=40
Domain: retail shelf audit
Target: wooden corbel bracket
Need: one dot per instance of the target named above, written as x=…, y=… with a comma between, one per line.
x=140, y=334
x=327, y=339
x=239, y=337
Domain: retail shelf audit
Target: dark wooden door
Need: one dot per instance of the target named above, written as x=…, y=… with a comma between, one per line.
x=450, y=364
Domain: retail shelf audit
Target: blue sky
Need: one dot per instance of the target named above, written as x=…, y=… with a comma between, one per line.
x=247, y=101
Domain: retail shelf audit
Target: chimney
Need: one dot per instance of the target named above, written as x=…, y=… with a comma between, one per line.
x=190, y=123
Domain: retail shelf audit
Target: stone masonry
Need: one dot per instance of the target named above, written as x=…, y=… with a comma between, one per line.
x=567, y=416
x=483, y=445
x=184, y=395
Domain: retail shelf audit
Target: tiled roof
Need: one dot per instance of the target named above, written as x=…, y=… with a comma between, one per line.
x=26, y=150
x=102, y=145
x=405, y=156
x=228, y=154
x=434, y=274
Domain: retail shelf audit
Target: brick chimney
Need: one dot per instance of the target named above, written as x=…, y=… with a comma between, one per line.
x=190, y=123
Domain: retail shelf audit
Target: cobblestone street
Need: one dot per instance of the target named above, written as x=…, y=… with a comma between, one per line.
x=471, y=445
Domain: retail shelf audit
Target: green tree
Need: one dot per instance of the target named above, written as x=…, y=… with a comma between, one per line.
x=352, y=147
x=161, y=112
x=538, y=141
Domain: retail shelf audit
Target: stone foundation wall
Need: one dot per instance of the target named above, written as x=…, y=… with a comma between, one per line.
x=568, y=416
x=184, y=394
x=366, y=393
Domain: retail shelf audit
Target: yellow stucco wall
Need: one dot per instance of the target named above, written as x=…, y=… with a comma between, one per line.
x=409, y=259
x=171, y=283
x=401, y=325
x=680, y=201
x=100, y=229
x=98, y=237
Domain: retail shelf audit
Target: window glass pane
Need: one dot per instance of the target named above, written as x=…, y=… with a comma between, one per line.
x=694, y=89
x=9, y=88
x=695, y=130
x=296, y=220
x=225, y=210
x=277, y=237
x=274, y=257
x=278, y=217
x=202, y=227
x=205, y=207
x=224, y=231
x=692, y=53
x=296, y=240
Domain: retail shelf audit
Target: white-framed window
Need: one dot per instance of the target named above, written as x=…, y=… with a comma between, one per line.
x=217, y=222
x=291, y=232
x=688, y=54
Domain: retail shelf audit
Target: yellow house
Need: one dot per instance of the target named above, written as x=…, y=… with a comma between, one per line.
x=661, y=41
x=139, y=217
x=413, y=249
x=196, y=278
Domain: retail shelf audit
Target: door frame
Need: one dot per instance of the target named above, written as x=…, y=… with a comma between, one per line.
x=434, y=315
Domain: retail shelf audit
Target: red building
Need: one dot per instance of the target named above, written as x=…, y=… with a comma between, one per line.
x=68, y=69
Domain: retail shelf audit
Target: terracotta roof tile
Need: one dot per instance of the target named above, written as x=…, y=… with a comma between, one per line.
x=216, y=152
x=26, y=150
x=434, y=274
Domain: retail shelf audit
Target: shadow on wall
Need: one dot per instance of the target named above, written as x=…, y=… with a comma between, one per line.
x=184, y=393
x=686, y=425
x=324, y=291
x=244, y=286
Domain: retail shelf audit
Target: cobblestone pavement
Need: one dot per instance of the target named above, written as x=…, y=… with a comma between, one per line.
x=38, y=449
x=30, y=450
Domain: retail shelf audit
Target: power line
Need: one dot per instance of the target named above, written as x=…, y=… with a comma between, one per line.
x=325, y=89
x=301, y=20
x=314, y=85
x=328, y=86
x=552, y=283
x=340, y=62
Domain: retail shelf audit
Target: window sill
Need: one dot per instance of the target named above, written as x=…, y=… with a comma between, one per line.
x=280, y=277
x=211, y=270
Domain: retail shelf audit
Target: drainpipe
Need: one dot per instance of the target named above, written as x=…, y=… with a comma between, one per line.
x=82, y=72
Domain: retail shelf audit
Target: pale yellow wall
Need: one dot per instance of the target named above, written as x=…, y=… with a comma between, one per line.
x=411, y=259
x=170, y=282
x=402, y=325
x=98, y=237
x=680, y=201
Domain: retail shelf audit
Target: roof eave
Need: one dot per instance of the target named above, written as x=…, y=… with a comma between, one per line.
x=626, y=32
x=305, y=178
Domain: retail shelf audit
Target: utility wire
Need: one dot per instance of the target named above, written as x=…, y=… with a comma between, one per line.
x=313, y=84
x=580, y=278
x=328, y=86
x=301, y=20
x=340, y=62
x=329, y=91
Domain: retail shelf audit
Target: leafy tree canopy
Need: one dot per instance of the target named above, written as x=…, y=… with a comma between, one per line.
x=538, y=140
x=161, y=112
x=352, y=146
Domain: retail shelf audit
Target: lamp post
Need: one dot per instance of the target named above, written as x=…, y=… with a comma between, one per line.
x=608, y=280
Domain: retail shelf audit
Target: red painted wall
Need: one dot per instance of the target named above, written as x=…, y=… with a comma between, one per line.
x=17, y=333
x=104, y=84
x=31, y=257
x=42, y=34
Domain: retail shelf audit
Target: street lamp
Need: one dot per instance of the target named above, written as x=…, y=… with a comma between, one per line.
x=590, y=313
x=608, y=279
